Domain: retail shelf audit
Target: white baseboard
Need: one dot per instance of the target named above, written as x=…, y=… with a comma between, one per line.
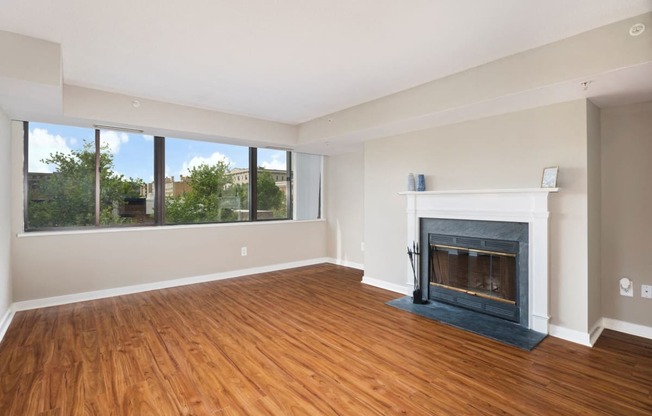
x=346, y=263
x=571, y=335
x=6, y=321
x=596, y=331
x=402, y=289
x=127, y=290
x=539, y=323
x=602, y=324
x=627, y=327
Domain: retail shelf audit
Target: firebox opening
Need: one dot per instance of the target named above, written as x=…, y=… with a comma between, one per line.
x=488, y=274
x=476, y=273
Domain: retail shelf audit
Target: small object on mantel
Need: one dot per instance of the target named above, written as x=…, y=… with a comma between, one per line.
x=411, y=183
x=549, y=177
x=421, y=182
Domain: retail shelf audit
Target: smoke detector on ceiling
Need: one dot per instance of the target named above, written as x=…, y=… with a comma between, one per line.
x=637, y=29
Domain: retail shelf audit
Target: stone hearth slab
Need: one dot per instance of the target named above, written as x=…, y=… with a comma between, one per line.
x=507, y=332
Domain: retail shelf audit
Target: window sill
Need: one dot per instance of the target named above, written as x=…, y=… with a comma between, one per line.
x=159, y=228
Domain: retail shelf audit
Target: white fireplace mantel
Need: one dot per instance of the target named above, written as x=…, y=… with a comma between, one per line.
x=514, y=205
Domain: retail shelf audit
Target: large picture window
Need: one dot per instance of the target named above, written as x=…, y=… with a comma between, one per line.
x=81, y=177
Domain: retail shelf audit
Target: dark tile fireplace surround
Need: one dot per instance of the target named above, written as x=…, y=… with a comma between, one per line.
x=481, y=266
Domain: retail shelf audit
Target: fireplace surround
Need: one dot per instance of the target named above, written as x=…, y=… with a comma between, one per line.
x=478, y=265
x=525, y=206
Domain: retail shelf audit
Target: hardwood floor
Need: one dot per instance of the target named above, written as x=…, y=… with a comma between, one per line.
x=307, y=341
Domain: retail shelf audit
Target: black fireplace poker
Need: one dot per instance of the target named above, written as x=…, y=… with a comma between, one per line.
x=413, y=254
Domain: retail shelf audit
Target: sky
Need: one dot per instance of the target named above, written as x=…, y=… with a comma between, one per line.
x=133, y=154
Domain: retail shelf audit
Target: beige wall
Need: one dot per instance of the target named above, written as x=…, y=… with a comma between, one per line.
x=626, y=208
x=49, y=265
x=344, y=208
x=507, y=151
x=594, y=214
x=5, y=214
x=602, y=50
x=174, y=120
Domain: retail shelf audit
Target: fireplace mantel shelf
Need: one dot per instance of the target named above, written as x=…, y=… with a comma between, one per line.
x=482, y=191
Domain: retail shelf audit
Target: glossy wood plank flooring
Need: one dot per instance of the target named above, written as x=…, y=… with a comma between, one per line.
x=307, y=341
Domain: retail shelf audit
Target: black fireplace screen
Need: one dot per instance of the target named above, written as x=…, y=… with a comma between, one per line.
x=484, y=273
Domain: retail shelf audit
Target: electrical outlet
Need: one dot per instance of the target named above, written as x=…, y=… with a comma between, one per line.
x=646, y=291
x=243, y=251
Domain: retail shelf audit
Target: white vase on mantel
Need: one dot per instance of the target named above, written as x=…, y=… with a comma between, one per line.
x=411, y=183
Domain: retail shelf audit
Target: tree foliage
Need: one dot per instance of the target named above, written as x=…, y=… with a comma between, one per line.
x=66, y=197
x=201, y=203
x=270, y=197
x=213, y=197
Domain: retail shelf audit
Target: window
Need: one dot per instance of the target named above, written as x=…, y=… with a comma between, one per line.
x=307, y=169
x=80, y=177
x=60, y=177
x=273, y=196
x=126, y=166
x=201, y=182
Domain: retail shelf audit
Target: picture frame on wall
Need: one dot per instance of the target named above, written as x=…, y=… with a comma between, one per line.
x=549, y=177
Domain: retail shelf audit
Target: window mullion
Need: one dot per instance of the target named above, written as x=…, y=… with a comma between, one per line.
x=26, y=175
x=288, y=186
x=253, y=188
x=159, y=180
x=97, y=177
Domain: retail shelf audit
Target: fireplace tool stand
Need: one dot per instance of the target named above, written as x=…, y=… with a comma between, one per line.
x=413, y=255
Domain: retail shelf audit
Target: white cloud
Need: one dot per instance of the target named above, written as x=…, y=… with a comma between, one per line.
x=113, y=139
x=41, y=145
x=199, y=160
x=148, y=138
x=276, y=162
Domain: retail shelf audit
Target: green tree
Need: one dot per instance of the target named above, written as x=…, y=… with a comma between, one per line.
x=213, y=197
x=66, y=197
x=241, y=190
x=208, y=183
x=270, y=197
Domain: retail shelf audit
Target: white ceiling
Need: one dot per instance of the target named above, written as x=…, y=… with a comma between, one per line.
x=292, y=60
